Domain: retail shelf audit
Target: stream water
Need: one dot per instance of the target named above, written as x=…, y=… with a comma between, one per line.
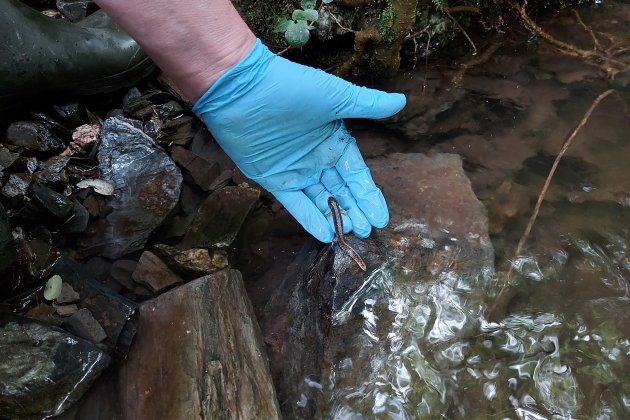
x=559, y=347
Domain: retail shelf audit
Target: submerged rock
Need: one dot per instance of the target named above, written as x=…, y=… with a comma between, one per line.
x=43, y=369
x=204, y=339
x=344, y=343
x=147, y=185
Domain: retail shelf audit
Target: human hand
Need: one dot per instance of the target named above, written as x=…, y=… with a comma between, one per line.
x=281, y=123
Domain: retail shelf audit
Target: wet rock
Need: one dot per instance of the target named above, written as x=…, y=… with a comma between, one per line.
x=79, y=220
x=17, y=185
x=70, y=112
x=84, y=325
x=222, y=180
x=43, y=369
x=210, y=351
x=220, y=217
x=151, y=271
x=147, y=184
x=42, y=258
x=73, y=10
x=177, y=131
x=46, y=207
x=194, y=262
x=143, y=106
x=53, y=173
x=364, y=328
x=7, y=247
x=202, y=172
x=98, y=267
x=97, y=206
x=112, y=311
x=34, y=135
x=68, y=294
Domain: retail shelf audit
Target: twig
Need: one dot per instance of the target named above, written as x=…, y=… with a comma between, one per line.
x=543, y=192
x=596, y=43
x=283, y=51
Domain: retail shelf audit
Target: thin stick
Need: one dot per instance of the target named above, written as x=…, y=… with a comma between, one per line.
x=543, y=192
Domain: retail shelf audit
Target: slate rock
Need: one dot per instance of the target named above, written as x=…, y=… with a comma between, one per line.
x=147, y=186
x=43, y=369
x=7, y=158
x=153, y=272
x=86, y=326
x=7, y=247
x=68, y=294
x=204, y=338
x=34, y=135
x=17, y=185
x=200, y=170
x=66, y=310
x=46, y=207
x=177, y=131
x=220, y=217
x=122, y=272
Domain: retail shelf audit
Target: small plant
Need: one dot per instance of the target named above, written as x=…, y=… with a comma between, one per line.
x=297, y=29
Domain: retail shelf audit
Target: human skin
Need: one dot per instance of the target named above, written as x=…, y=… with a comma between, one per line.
x=194, y=42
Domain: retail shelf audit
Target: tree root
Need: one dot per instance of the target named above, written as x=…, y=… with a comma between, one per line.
x=599, y=56
x=521, y=243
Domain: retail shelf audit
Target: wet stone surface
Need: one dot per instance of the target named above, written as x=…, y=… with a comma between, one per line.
x=147, y=184
x=44, y=369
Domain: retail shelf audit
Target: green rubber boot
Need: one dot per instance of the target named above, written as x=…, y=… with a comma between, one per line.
x=43, y=56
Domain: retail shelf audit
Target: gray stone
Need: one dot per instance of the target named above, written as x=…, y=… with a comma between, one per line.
x=68, y=294
x=66, y=310
x=152, y=272
x=147, y=186
x=43, y=369
x=83, y=324
x=204, y=339
x=122, y=272
x=47, y=207
x=17, y=185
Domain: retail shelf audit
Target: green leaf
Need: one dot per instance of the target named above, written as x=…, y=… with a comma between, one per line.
x=308, y=4
x=308, y=14
x=327, y=1
x=282, y=24
x=297, y=33
x=53, y=288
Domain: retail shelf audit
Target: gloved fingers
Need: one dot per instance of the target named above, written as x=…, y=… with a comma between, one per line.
x=361, y=102
x=338, y=188
x=306, y=213
x=319, y=195
x=368, y=196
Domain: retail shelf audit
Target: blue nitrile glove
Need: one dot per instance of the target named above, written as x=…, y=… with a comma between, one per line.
x=280, y=122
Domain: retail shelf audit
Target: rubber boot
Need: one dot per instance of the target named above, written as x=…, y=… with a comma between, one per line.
x=43, y=56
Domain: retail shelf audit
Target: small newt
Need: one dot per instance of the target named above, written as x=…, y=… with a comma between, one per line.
x=338, y=222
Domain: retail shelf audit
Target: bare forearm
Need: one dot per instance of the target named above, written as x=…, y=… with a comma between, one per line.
x=193, y=41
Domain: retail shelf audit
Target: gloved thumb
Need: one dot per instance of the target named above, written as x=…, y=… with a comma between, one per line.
x=362, y=102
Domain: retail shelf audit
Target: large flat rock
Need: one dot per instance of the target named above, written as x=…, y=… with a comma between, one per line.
x=197, y=355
